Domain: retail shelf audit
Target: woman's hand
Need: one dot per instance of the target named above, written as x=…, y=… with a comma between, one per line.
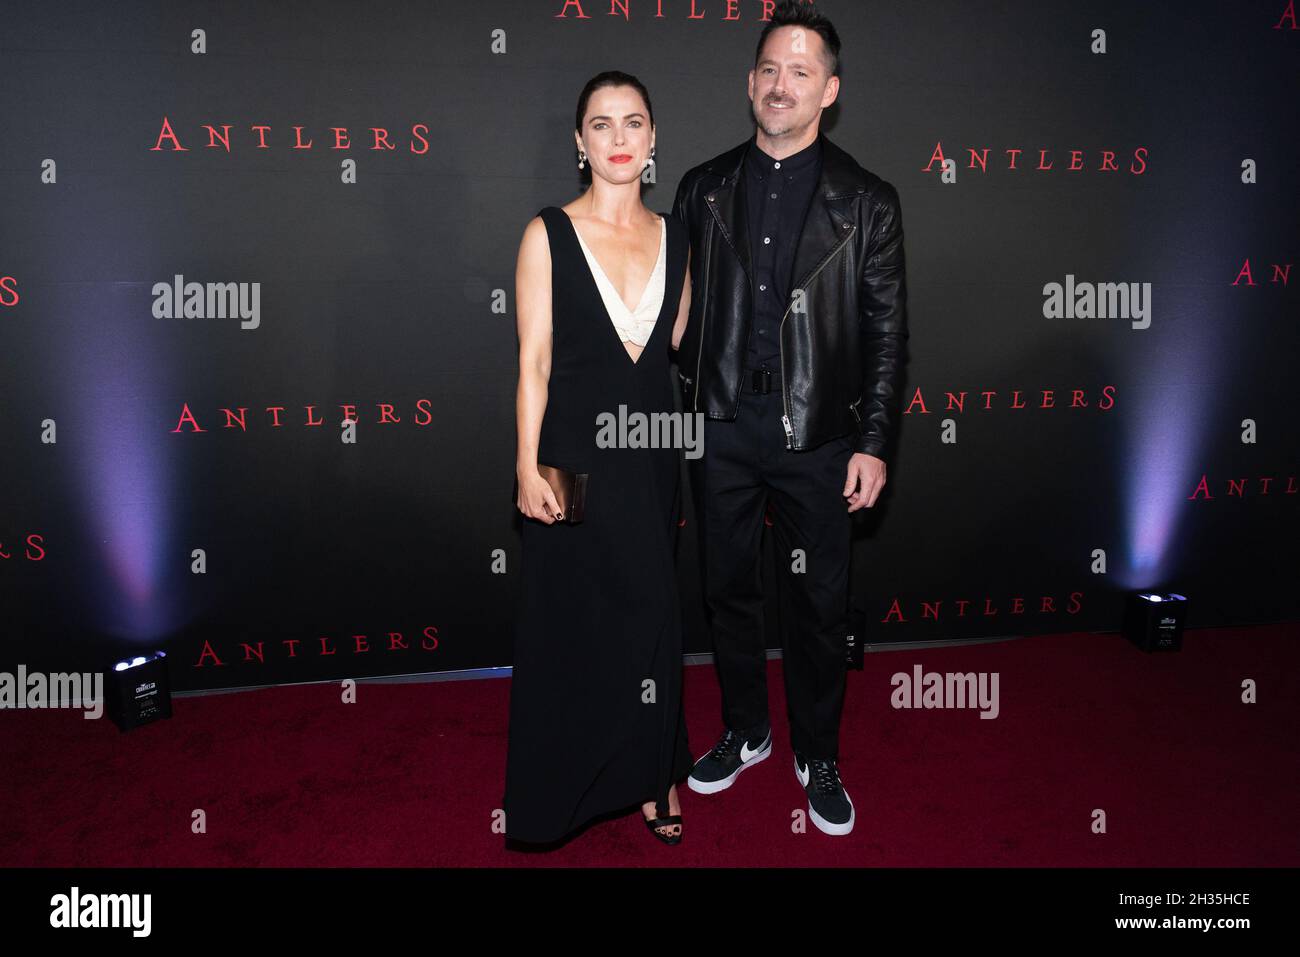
x=536, y=500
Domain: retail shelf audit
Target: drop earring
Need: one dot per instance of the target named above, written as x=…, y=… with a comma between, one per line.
x=582, y=160
x=651, y=160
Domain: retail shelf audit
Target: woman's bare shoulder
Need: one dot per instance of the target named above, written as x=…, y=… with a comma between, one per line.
x=534, y=232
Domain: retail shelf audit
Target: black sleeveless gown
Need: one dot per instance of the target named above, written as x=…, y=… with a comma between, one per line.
x=596, y=720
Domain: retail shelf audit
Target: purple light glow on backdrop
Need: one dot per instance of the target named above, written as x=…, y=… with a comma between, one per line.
x=123, y=476
x=128, y=519
x=1171, y=403
x=1163, y=441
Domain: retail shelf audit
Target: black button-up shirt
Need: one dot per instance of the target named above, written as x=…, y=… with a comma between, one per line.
x=777, y=195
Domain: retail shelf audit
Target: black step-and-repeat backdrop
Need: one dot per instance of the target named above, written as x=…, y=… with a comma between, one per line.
x=227, y=228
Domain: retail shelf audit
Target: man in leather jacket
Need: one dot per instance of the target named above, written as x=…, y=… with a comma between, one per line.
x=793, y=351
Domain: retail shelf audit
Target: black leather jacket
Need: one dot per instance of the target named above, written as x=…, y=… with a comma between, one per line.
x=842, y=345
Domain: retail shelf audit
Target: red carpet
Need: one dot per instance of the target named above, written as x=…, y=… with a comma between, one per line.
x=1186, y=774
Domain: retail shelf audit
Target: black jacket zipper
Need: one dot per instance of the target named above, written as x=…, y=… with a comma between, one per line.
x=785, y=391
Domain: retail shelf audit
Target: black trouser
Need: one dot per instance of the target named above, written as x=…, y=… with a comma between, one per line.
x=744, y=463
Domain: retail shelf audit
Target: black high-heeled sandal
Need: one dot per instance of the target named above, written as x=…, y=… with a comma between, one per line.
x=656, y=822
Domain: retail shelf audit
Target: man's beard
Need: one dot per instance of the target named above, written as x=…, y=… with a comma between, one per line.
x=780, y=126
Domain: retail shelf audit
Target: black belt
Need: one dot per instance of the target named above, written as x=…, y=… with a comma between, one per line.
x=763, y=380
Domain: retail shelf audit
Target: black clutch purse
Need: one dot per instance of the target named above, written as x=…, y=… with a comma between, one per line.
x=569, y=489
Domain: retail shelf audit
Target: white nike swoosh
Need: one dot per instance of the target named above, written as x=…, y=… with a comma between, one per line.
x=746, y=753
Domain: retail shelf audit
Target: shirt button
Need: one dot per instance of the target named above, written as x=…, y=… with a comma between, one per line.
x=762, y=288
x=776, y=166
x=766, y=240
x=774, y=195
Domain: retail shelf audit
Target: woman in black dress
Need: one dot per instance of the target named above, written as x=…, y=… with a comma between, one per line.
x=596, y=722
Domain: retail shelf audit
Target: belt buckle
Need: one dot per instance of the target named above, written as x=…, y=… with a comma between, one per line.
x=761, y=380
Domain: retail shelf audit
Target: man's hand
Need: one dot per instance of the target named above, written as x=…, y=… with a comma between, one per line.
x=865, y=480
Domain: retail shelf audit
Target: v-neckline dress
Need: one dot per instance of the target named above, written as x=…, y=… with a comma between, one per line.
x=596, y=721
x=632, y=325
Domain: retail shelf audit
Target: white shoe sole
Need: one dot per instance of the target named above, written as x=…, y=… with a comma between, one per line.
x=713, y=787
x=829, y=828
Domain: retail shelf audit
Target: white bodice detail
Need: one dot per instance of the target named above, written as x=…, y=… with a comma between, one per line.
x=637, y=325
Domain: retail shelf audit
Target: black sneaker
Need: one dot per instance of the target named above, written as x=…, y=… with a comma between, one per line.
x=734, y=752
x=828, y=802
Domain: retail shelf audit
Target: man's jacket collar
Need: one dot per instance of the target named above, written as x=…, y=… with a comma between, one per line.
x=841, y=180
